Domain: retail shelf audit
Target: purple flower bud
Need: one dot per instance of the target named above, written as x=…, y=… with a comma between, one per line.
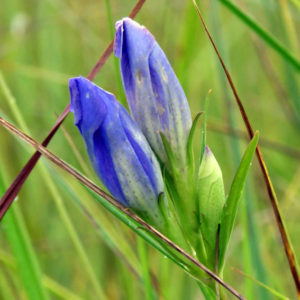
x=154, y=94
x=119, y=152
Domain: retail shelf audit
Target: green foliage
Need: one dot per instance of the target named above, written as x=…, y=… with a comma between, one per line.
x=28, y=267
x=262, y=33
x=232, y=202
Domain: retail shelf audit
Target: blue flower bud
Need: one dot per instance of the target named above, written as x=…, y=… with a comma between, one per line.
x=155, y=97
x=119, y=152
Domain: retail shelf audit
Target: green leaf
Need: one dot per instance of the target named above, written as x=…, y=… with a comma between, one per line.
x=231, y=205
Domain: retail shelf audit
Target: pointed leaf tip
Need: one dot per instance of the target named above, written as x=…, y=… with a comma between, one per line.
x=190, y=155
x=231, y=205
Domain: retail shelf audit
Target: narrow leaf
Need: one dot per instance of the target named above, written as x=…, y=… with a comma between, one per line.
x=231, y=206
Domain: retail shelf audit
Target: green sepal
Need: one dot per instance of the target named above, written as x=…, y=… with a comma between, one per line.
x=231, y=205
x=189, y=146
x=204, y=126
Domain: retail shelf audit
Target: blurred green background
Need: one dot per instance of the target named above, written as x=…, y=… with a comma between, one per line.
x=85, y=253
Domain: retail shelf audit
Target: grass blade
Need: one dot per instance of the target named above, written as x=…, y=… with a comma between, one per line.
x=22, y=249
x=149, y=291
x=5, y=290
x=59, y=290
x=269, y=289
x=49, y=283
x=28, y=265
x=267, y=37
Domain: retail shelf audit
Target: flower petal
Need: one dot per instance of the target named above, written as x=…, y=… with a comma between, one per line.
x=120, y=154
x=155, y=96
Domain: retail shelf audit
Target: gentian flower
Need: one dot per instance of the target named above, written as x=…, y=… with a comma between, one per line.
x=156, y=99
x=119, y=152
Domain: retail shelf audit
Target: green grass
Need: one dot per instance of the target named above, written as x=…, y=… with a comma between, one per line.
x=67, y=243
